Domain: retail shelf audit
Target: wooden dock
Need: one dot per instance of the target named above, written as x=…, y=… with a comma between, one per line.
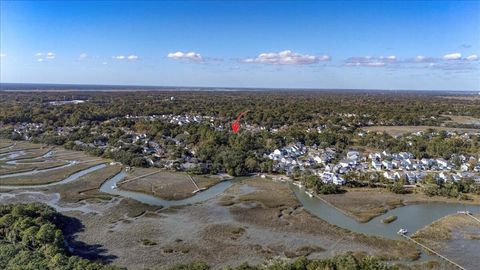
x=470, y=215
x=138, y=177
x=433, y=251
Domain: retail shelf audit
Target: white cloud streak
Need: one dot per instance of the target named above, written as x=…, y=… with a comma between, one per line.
x=472, y=57
x=131, y=57
x=188, y=56
x=82, y=56
x=369, y=61
x=286, y=57
x=42, y=56
x=452, y=56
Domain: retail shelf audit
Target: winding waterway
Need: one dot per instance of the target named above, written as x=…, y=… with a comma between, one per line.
x=411, y=217
x=153, y=200
x=35, y=171
x=66, y=180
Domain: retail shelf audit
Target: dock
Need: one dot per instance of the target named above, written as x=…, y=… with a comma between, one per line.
x=139, y=177
x=467, y=213
x=432, y=251
x=197, y=188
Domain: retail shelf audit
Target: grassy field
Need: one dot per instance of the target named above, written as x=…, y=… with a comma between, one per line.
x=455, y=236
x=400, y=130
x=465, y=120
x=8, y=169
x=5, y=143
x=389, y=219
x=365, y=207
x=263, y=194
x=442, y=229
x=164, y=184
x=49, y=176
x=34, y=153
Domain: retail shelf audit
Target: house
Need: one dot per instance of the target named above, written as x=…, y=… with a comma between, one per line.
x=405, y=155
x=377, y=165
x=426, y=162
x=353, y=155
x=442, y=163
x=389, y=175
x=411, y=177
x=344, y=163
x=338, y=180
x=387, y=165
x=396, y=164
x=443, y=176
x=399, y=174
x=456, y=178
x=464, y=167
x=375, y=156
x=331, y=178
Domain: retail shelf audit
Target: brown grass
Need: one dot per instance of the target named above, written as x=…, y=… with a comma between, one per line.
x=87, y=186
x=165, y=184
x=364, y=208
x=400, y=130
x=442, y=229
x=277, y=209
x=8, y=169
x=463, y=119
x=47, y=177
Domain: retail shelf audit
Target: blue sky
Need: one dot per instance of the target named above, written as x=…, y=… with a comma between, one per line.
x=352, y=44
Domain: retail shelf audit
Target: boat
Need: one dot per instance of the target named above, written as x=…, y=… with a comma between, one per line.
x=114, y=186
x=402, y=231
x=309, y=193
x=198, y=190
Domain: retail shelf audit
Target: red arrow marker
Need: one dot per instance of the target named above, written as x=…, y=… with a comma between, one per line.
x=235, y=127
x=236, y=124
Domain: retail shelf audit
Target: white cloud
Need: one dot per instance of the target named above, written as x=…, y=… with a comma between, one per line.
x=452, y=56
x=2, y=55
x=369, y=61
x=286, y=57
x=83, y=56
x=42, y=56
x=190, y=56
x=472, y=57
x=131, y=57
x=50, y=55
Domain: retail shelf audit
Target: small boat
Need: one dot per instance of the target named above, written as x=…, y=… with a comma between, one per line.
x=198, y=190
x=310, y=194
x=402, y=231
x=114, y=186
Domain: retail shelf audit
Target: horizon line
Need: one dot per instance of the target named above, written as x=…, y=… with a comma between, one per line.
x=125, y=87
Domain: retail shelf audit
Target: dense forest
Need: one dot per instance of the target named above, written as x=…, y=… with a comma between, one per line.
x=31, y=238
x=266, y=108
x=277, y=119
